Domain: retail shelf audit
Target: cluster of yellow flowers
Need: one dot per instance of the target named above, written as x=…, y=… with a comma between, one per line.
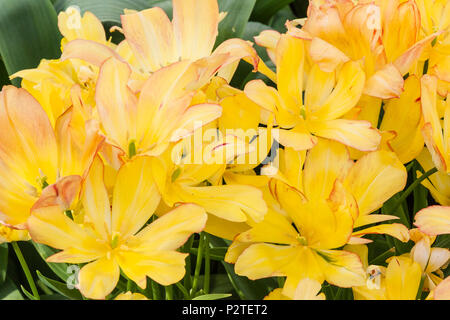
x=101, y=156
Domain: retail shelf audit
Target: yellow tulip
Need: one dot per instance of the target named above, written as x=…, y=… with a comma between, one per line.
x=399, y=281
x=8, y=234
x=112, y=237
x=307, y=289
x=35, y=160
x=328, y=96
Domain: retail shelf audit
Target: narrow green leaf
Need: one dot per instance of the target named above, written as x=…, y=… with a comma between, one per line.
x=28, y=33
x=109, y=11
x=27, y=294
x=265, y=9
x=60, y=269
x=213, y=296
x=4, y=77
x=3, y=261
x=60, y=287
x=238, y=13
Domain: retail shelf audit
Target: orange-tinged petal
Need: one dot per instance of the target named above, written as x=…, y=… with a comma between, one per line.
x=374, y=179
x=150, y=35
x=49, y=226
x=224, y=228
x=135, y=196
x=434, y=220
x=89, y=51
x=99, y=278
x=438, y=258
x=395, y=230
x=353, y=133
x=230, y=202
x=327, y=56
x=116, y=104
x=386, y=83
x=442, y=291
x=195, y=27
x=298, y=138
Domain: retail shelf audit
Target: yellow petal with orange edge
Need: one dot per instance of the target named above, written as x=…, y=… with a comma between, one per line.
x=135, y=196
x=72, y=26
x=402, y=279
x=50, y=226
x=442, y=291
x=346, y=93
x=397, y=230
x=95, y=200
x=326, y=56
x=194, y=118
x=150, y=35
x=275, y=228
x=170, y=231
x=195, y=27
x=407, y=59
x=353, y=133
x=276, y=294
x=89, y=51
x=432, y=130
x=386, y=83
x=265, y=260
x=116, y=104
x=230, y=202
x=63, y=193
x=434, y=220
x=341, y=268
x=235, y=250
x=326, y=162
x=263, y=95
x=237, y=49
x=374, y=179
x=290, y=53
x=403, y=116
x=99, y=278
x=164, y=267
x=438, y=258
x=268, y=39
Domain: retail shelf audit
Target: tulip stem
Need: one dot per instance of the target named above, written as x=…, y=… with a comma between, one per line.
x=411, y=188
x=198, y=264
x=207, y=266
x=26, y=270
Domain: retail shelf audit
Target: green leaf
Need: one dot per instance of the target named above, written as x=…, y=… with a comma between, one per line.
x=233, y=25
x=265, y=9
x=3, y=261
x=60, y=269
x=4, y=77
x=27, y=294
x=9, y=291
x=28, y=33
x=213, y=296
x=278, y=21
x=108, y=10
x=60, y=287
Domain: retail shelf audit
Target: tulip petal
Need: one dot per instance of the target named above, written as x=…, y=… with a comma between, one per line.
x=99, y=278
x=434, y=220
